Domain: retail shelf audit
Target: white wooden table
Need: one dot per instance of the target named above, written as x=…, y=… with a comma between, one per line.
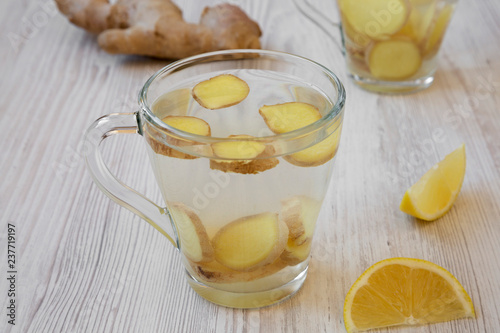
x=84, y=264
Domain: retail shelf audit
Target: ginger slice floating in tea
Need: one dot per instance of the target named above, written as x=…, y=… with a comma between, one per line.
x=245, y=157
x=172, y=103
x=394, y=59
x=355, y=37
x=438, y=30
x=220, y=91
x=286, y=117
x=421, y=18
x=193, y=238
x=318, y=154
x=184, y=123
x=250, y=242
x=377, y=19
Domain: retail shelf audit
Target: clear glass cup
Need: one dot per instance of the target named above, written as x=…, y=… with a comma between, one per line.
x=243, y=227
x=391, y=46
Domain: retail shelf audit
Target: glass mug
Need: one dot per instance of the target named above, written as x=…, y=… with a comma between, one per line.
x=391, y=46
x=243, y=226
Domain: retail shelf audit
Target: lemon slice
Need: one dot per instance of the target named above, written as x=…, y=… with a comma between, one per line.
x=404, y=291
x=434, y=194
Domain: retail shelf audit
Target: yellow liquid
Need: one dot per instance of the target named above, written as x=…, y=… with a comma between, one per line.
x=424, y=28
x=219, y=198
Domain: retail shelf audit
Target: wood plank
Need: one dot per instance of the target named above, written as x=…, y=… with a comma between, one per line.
x=87, y=265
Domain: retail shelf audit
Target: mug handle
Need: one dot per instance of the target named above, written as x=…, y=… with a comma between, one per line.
x=101, y=129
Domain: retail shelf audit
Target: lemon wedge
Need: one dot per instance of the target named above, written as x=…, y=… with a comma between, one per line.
x=434, y=194
x=404, y=291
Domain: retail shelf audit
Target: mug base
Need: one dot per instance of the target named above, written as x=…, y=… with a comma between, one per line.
x=247, y=300
x=392, y=87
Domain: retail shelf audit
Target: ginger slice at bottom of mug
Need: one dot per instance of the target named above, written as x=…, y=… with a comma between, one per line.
x=300, y=214
x=245, y=157
x=193, y=238
x=220, y=91
x=188, y=124
x=250, y=242
x=215, y=272
x=295, y=254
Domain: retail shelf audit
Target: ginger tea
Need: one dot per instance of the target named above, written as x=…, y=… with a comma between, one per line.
x=394, y=40
x=245, y=215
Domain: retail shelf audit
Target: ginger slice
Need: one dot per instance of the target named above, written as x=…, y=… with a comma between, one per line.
x=394, y=59
x=250, y=242
x=188, y=124
x=286, y=117
x=420, y=20
x=220, y=91
x=295, y=254
x=300, y=214
x=193, y=238
x=377, y=19
x=184, y=123
x=241, y=150
x=215, y=272
x=360, y=40
x=156, y=27
x=172, y=103
x=282, y=118
x=245, y=157
x=317, y=154
x=436, y=36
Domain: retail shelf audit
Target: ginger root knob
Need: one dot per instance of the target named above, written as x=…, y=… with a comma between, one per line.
x=156, y=27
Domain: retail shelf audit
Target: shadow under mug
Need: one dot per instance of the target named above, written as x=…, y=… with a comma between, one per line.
x=243, y=227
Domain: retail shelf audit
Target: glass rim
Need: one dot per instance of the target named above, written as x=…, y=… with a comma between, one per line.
x=215, y=56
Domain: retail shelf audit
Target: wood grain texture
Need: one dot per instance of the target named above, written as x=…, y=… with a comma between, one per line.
x=87, y=265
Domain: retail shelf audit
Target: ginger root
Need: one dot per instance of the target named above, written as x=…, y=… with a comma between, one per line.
x=156, y=27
